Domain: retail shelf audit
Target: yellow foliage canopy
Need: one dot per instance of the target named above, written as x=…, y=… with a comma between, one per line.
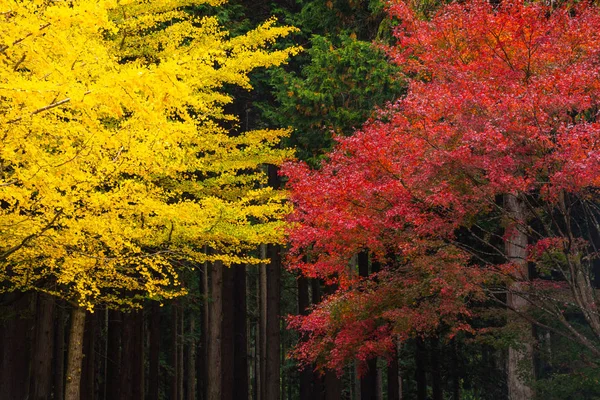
x=112, y=160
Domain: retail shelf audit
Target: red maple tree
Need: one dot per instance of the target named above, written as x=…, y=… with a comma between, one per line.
x=503, y=101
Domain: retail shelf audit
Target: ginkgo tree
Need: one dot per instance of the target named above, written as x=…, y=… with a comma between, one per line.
x=113, y=159
x=488, y=166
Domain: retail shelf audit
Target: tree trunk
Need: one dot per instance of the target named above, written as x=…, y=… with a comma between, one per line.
x=262, y=331
x=180, y=346
x=191, y=361
x=204, y=337
x=436, y=373
x=319, y=384
x=75, y=354
x=154, y=362
x=88, y=374
x=43, y=348
x=227, y=335
x=240, y=350
x=127, y=367
x=306, y=373
x=333, y=386
x=215, y=318
x=520, y=358
x=420, y=373
x=368, y=382
x=114, y=354
x=175, y=351
x=393, y=378
x=59, y=354
x=272, y=376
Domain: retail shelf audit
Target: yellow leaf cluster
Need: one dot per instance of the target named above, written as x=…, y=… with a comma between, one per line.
x=113, y=160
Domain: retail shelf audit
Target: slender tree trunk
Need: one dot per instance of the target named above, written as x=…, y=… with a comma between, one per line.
x=215, y=334
x=227, y=335
x=436, y=373
x=191, y=361
x=456, y=375
x=88, y=375
x=319, y=384
x=306, y=375
x=333, y=386
x=154, y=361
x=75, y=354
x=393, y=378
x=180, y=347
x=520, y=358
x=138, y=384
x=240, y=368
x=368, y=383
x=272, y=375
x=204, y=336
x=127, y=361
x=175, y=351
x=262, y=332
x=43, y=349
x=420, y=373
x=114, y=354
x=59, y=353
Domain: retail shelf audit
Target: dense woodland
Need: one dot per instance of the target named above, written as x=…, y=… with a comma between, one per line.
x=297, y=200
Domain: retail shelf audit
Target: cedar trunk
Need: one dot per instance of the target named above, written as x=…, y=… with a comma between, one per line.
x=154, y=362
x=240, y=367
x=43, y=348
x=520, y=358
x=273, y=319
x=75, y=354
x=227, y=335
x=215, y=324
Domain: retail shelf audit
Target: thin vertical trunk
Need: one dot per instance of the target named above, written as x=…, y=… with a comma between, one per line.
x=306, y=373
x=154, y=361
x=240, y=368
x=368, y=382
x=59, y=354
x=319, y=384
x=272, y=375
x=227, y=335
x=333, y=386
x=420, y=373
x=180, y=347
x=138, y=356
x=88, y=388
x=43, y=349
x=127, y=349
x=175, y=351
x=75, y=354
x=519, y=357
x=262, y=331
x=436, y=373
x=393, y=378
x=456, y=376
x=115, y=326
x=204, y=338
x=215, y=325
x=191, y=361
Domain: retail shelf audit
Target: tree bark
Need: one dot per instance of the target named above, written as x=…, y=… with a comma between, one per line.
x=43, y=348
x=393, y=378
x=154, y=361
x=368, y=382
x=114, y=354
x=75, y=354
x=240, y=350
x=262, y=330
x=420, y=373
x=59, y=354
x=227, y=335
x=306, y=375
x=436, y=373
x=88, y=374
x=191, y=361
x=175, y=350
x=215, y=318
x=272, y=375
x=520, y=358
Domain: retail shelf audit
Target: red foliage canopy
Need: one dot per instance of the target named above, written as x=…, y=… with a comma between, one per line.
x=502, y=99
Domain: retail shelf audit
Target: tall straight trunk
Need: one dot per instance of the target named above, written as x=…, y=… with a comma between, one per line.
x=191, y=360
x=333, y=386
x=180, y=346
x=75, y=354
x=240, y=367
x=59, y=353
x=368, y=382
x=272, y=375
x=393, y=378
x=138, y=348
x=43, y=349
x=227, y=335
x=456, y=373
x=115, y=326
x=319, y=384
x=262, y=330
x=520, y=358
x=154, y=361
x=175, y=351
x=15, y=355
x=306, y=375
x=436, y=373
x=215, y=333
x=420, y=373
x=127, y=361
x=204, y=336
x=88, y=374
